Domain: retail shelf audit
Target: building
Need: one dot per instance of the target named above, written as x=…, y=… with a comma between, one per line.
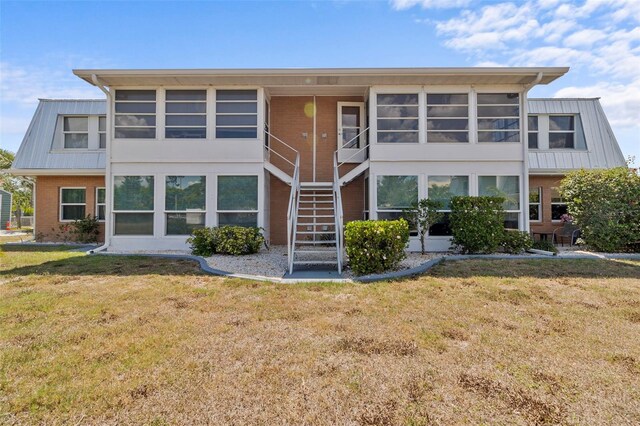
x=299, y=152
x=5, y=208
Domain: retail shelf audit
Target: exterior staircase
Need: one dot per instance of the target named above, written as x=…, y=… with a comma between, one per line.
x=314, y=236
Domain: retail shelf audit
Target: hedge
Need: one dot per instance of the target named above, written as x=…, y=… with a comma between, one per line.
x=375, y=246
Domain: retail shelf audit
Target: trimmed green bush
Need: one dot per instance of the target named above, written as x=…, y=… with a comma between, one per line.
x=375, y=246
x=232, y=240
x=515, y=242
x=477, y=224
x=86, y=230
x=605, y=205
x=545, y=245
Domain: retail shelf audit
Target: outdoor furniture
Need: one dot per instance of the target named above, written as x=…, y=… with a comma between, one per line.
x=567, y=231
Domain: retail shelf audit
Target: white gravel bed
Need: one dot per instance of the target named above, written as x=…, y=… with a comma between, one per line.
x=265, y=263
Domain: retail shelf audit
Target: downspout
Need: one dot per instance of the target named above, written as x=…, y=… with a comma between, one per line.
x=315, y=115
x=107, y=174
x=525, y=149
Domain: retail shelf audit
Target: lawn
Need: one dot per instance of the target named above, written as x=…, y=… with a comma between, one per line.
x=134, y=340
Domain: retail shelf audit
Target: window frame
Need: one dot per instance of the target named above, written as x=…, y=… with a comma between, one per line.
x=556, y=203
x=427, y=117
x=520, y=195
x=61, y=204
x=114, y=212
x=539, y=204
x=536, y=131
x=98, y=204
x=155, y=114
x=478, y=117
x=166, y=114
x=217, y=195
x=445, y=210
x=70, y=132
x=412, y=233
x=373, y=109
x=102, y=132
x=572, y=131
x=203, y=212
x=215, y=113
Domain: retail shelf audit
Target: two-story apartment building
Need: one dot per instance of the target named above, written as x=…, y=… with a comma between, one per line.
x=299, y=152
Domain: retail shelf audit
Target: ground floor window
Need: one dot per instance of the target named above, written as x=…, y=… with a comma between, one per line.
x=558, y=205
x=442, y=189
x=100, y=204
x=133, y=205
x=185, y=204
x=73, y=204
x=394, y=195
x=237, y=200
x=535, y=207
x=507, y=187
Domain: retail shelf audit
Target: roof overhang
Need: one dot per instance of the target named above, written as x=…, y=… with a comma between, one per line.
x=322, y=77
x=56, y=172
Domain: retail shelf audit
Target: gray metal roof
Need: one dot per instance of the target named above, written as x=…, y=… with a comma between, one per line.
x=602, y=150
x=36, y=150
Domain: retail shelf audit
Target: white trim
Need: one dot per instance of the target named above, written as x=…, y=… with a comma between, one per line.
x=97, y=204
x=61, y=204
x=539, y=204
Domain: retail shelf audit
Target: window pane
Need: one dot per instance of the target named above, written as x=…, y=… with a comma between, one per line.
x=534, y=195
x=534, y=212
x=102, y=124
x=557, y=210
x=447, y=111
x=134, y=224
x=350, y=116
x=506, y=187
x=398, y=137
x=511, y=220
x=448, y=124
x=397, y=192
x=186, y=95
x=183, y=223
x=76, y=124
x=400, y=99
x=135, y=120
x=555, y=196
x=140, y=108
x=498, y=98
x=498, y=111
x=398, y=111
x=237, y=192
x=442, y=99
x=238, y=219
x=561, y=140
x=237, y=108
x=185, y=192
x=533, y=122
x=236, y=95
x=498, y=136
x=76, y=140
x=561, y=122
x=73, y=195
x=397, y=124
x=185, y=133
x=413, y=228
x=135, y=133
x=73, y=212
x=133, y=192
x=101, y=195
x=236, y=133
x=448, y=137
x=442, y=228
x=237, y=120
x=442, y=188
x=498, y=124
x=533, y=140
x=185, y=108
x=186, y=120
x=101, y=212
x=135, y=95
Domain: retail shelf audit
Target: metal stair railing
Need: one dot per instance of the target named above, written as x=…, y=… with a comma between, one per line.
x=339, y=215
x=269, y=150
x=347, y=145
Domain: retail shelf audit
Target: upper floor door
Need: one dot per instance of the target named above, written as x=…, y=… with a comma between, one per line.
x=351, y=138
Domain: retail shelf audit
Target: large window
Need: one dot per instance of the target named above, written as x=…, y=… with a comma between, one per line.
x=394, y=194
x=186, y=114
x=73, y=204
x=498, y=117
x=558, y=205
x=507, y=187
x=236, y=114
x=535, y=204
x=135, y=115
x=442, y=189
x=76, y=132
x=185, y=204
x=101, y=204
x=133, y=205
x=238, y=200
x=102, y=132
x=447, y=118
x=532, y=136
x=398, y=118
x=562, y=129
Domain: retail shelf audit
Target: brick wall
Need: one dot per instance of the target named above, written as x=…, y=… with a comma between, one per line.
x=546, y=183
x=288, y=122
x=47, y=213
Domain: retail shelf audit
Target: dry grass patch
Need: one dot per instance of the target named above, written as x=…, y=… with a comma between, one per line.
x=133, y=340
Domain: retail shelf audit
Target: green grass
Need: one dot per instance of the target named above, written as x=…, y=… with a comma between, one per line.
x=136, y=340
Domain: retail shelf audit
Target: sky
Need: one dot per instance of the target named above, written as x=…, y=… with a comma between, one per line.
x=41, y=42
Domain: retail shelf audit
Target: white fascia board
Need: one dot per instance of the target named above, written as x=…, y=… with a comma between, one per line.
x=56, y=172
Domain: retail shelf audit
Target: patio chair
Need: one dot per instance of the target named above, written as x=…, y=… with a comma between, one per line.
x=566, y=231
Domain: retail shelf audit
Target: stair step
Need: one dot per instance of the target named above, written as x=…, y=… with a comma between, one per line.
x=316, y=202
x=316, y=208
x=315, y=242
x=315, y=262
x=315, y=195
x=330, y=250
x=315, y=232
x=316, y=215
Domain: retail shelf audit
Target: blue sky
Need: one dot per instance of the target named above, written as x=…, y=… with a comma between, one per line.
x=41, y=42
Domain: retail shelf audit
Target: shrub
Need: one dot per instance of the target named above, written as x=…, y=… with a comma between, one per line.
x=477, y=223
x=238, y=240
x=605, y=205
x=86, y=230
x=516, y=242
x=545, y=245
x=375, y=246
x=233, y=240
x=423, y=214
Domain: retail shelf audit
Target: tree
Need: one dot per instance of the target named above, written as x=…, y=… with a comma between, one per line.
x=20, y=187
x=424, y=213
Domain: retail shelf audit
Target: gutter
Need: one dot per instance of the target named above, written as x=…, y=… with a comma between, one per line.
x=107, y=177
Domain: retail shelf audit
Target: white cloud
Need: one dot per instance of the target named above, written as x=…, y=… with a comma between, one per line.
x=584, y=38
x=429, y=4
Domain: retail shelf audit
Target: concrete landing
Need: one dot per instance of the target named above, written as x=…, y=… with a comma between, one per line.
x=313, y=273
